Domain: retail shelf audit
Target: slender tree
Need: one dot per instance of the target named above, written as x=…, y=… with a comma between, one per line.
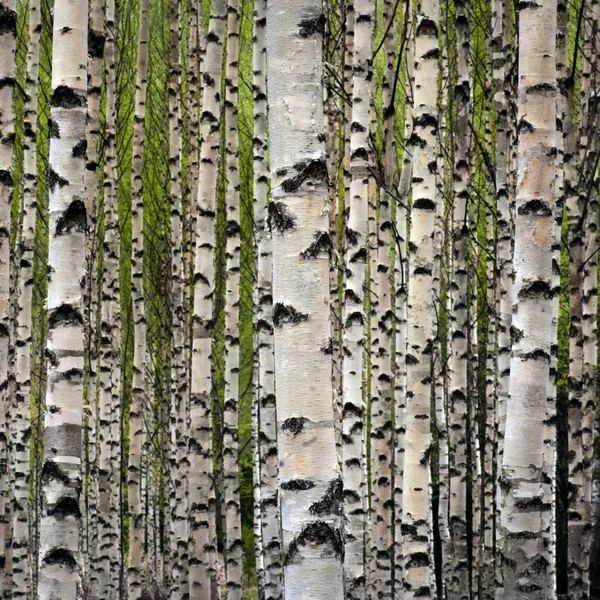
x=354, y=319
x=310, y=489
x=20, y=511
x=203, y=565
x=139, y=390
x=524, y=513
x=416, y=513
x=270, y=516
x=59, y=554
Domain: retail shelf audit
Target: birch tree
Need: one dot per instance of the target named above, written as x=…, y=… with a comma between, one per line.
x=202, y=503
x=59, y=555
x=416, y=514
x=268, y=450
x=310, y=487
x=354, y=319
x=138, y=391
x=524, y=513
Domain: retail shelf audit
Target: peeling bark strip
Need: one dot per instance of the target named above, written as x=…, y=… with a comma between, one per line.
x=312, y=544
x=8, y=39
x=353, y=315
x=268, y=451
x=525, y=568
x=416, y=526
x=59, y=555
x=203, y=566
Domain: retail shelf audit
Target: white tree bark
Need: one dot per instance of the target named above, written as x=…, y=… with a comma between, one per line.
x=270, y=515
x=309, y=482
x=354, y=319
x=20, y=512
x=61, y=476
x=416, y=526
x=8, y=39
x=203, y=555
x=138, y=385
x=523, y=514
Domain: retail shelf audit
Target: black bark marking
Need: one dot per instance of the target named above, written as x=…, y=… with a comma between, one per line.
x=297, y=485
x=536, y=289
x=72, y=219
x=314, y=170
x=424, y=204
x=280, y=218
x=52, y=472
x=286, y=314
x=535, y=207
x=53, y=179
x=525, y=125
x=66, y=315
x=427, y=27
x=426, y=120
x=309, y=27
x=321, y=245
x=527, y=4
x=536, y=355
x=53, y=129
x=73, y=373
x=318, y=533
x=66, y=507
x=66, y=97
x=6, y=178
x=540, y=87
x=7, y=82
x=62, y=557
x=79, y=150
x=431, y=54
x=8, y=20
x=96, y=44
x=331, y=502
x=294, y=425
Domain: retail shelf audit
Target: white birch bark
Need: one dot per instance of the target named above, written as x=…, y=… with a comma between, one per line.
x=524, y=566
x=416, y=526
x=231, y=475
x=270, y=515
x=8, y=39
x=59, y=554
x=401, y=283
x=20, y=511
x=457, y=582
x=309, y=482
x=203, y=565
x=354, y=319
x=138, y=384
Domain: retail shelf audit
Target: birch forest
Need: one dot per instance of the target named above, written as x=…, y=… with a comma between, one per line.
x=298, y=299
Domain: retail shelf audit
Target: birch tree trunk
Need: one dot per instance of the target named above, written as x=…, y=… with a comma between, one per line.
x=457, y=579
x=416, y=526
x=270, y=515
x=231, y=475
x=354, y=318
x=96, y=43
x=401, y=264
x=110, y=338
x=179, y=389
x=61, y=475
x=203, y=565
x=20, y=511
x=310, y=488
x=8, y=39
x=524, y=512
x=139, y=390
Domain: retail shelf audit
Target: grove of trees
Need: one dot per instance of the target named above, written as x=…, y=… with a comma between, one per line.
x=298, y=299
